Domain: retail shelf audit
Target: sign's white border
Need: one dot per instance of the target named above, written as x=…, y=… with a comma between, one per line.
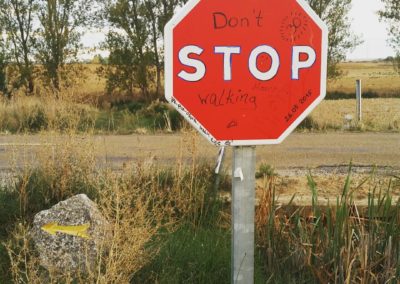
x=178, y=17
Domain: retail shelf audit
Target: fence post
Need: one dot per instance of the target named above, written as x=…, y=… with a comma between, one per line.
x=358, y=96
x=243, y=210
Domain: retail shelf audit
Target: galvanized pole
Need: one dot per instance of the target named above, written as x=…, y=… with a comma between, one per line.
x=358, y=96
x=243, y=209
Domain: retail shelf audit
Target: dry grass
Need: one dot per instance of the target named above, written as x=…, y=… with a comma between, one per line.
x=67, y=169
x=93, y=83
x=85, y=107
x=377, y=115
x=330, y=185
x=32, y=114
x=36, y=114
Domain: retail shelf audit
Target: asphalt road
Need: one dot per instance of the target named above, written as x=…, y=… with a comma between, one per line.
x=299, y=150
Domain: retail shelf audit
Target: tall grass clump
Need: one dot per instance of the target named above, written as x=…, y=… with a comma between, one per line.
x=341, y=243
x=34, y=114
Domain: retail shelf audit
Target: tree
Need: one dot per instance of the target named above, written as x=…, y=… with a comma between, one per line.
x=129, y=59
x=59, y=38
x=154, y=32
x=166, y=12
x=3, y=66
x=158, y=13
x=122, y=68
x=135, y=44
x=340, y=39
x=17, y=17
x=391, y=14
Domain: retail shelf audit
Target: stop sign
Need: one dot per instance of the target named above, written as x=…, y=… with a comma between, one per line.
x=245, y=72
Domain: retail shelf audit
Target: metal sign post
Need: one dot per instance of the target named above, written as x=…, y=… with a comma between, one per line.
x=243, y=209
x=358, y=96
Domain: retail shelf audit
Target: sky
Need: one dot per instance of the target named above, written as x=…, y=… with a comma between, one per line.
x=373, y=32
x=365, y=23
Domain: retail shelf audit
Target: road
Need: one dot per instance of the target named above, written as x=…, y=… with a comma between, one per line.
x=327, y=155
x=299, y=150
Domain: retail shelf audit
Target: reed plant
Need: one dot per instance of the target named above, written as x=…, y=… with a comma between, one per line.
x=338, y=243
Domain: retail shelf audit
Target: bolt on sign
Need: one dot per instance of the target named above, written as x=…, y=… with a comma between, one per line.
x=245, y=72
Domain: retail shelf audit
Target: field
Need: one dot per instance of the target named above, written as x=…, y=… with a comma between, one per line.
x=86, y=107
x=378, y=79
x=327, y=198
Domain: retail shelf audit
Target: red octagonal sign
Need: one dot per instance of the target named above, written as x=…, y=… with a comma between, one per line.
x=245, y=72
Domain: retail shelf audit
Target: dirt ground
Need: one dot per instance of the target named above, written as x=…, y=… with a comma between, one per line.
x=326, y=156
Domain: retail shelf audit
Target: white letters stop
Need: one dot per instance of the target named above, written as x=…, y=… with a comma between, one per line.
x=229, y=52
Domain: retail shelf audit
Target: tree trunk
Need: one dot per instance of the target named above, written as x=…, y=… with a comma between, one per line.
x=31, y=86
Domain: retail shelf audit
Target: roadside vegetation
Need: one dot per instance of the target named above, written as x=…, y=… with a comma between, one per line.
x=180, y=227
x=37, y=115
x=33, y=115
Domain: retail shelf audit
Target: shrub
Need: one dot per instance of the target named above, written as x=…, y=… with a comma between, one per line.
x=309, y=124
x=265, y=171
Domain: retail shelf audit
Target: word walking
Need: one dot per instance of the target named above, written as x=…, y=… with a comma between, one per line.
x=228, y=97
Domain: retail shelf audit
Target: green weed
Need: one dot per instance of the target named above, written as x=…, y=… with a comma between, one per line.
x=265, y=171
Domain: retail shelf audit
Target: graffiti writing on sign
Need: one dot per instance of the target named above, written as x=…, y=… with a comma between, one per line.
x=222, y=21
x=295, y=107
x=228, y=97
x=294, y=26
x=232, y=124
